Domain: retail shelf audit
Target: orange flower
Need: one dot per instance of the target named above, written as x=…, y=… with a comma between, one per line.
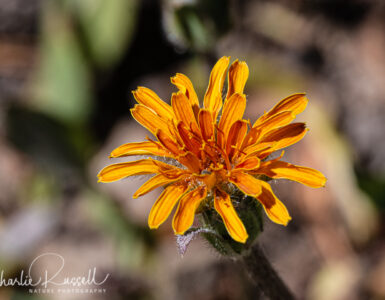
x=213, y=156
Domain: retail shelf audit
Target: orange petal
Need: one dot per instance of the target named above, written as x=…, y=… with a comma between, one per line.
x=232, y=111
x=234, y=225
x=206, y=124
x=276, y=121
x=213, y=96
x=184, y=84
x=257, y=148
x=168, y=143
x=237, y=77
x=153, y=183
x=182, y=108
x=188, y=204
x=295, y=103
x=304, y=175
x=139, y=167
x=274, y=208
x=249, y=164
x=191, y=141
x=235, y=137
x=251, y=137
x=149, y=119
x=164, y=205
x=141, y=148
x=284, y=136
x=191, y=161
x=148, y=98
x=246, y=183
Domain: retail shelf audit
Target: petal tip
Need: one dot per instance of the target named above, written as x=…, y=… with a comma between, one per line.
x=243, y=240
x=153, y=226
x=286, y=221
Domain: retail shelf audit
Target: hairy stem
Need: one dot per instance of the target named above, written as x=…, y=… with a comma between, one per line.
x=264, y=276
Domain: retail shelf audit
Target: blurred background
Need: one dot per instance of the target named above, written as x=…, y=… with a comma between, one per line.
x=67, y=69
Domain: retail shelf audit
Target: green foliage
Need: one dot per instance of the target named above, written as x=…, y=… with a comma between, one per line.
x=108, y=27
x=63, y=83
x=199, y=24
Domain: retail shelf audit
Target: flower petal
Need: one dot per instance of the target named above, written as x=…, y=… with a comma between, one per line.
x=274, y=208
x=206, y=124
x=232, y=111
x=188, y=204
x=148, y=98
x=275, y=121
x=249, y=164
x=191, y=161
x=168, y=142
x=184, y=84
x=256, y=148
x=164, y=205
x=237, y=77
x=192, y=142
x=235, y=137
x=295, y=103
x=213, y=96
x=259, y=130
x=182, y=108
x=246, y=183
x=141, y=148
x=149, y=119
x=284, y=136
x=234, y=225
x=153, y=183
x=281, y=169
x=139, y=167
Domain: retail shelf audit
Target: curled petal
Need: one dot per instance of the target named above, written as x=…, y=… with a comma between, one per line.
x=304, y=175
x=148, y=98
x=192, y=142
x=155, y=182
x=276, y=121
x=232, y=111
x=184, y=84
x=164, y=205
x=206, y=124
x=191, y=161
x=235, y=137
x=141, y=148
x=168, y=142
x=182, y=108
x=213, y=96
x=284, y=136
x=149, y=119
x=234, y=225
x=274, y=208
x=295, y=103
x=246, y=183
x=188, y=204
x=257, y=148
x=139, y=167
x=237, y=77
x=248, y=164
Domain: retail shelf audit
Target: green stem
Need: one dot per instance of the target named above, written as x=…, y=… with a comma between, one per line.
x=264, y=276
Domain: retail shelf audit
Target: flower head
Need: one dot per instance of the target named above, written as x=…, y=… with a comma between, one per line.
x=214, y=154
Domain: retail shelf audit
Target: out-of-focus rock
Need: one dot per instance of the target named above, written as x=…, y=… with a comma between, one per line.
x=324, y=150
x=25, y=231
x=336, y=281
x=374, y=281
